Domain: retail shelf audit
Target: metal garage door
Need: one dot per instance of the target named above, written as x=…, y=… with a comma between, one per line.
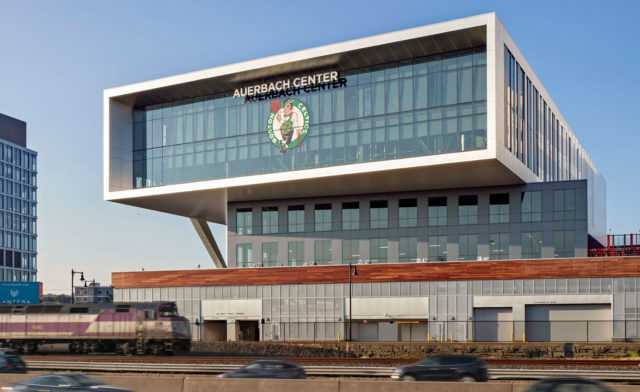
x=387, y=331
x=493, y=324
x=368, y=332
x=568, y=323
x=412, y=331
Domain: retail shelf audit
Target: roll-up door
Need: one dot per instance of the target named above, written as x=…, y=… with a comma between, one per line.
x=568, y=323
x=493, y=324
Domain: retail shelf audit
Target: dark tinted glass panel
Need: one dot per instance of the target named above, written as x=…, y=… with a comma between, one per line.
x=379, y=204
x=499, y=198
x=437, y=201
x=468, y=200
x=408, y=203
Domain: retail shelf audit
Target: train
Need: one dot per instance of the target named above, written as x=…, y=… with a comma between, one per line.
x=122, y=328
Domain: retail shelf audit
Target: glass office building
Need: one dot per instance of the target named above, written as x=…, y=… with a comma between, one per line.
x=405, y=152
x=18, y=202
x=427, y=110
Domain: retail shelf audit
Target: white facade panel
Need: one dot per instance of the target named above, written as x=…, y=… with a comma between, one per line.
x=232, y=309
x=389, y=308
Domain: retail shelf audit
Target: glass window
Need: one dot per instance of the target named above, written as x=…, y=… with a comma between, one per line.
x=323, y=252
x=322, y=217
x=465, y=85
x=350, y=216
x=531, y=206
x=269, y=220
x=480, y=82
x=243, y=255
x=564, y=243
x=408, y=213
x=166, y=138
x=468, y=210
x=449, y=87
x=407, y=249
x=437, y=211
x=379, y=214
x=498, y=246
x=269, y=254
x=244, y=221
x=379, y=250
x=468, y=247
x=531, y=245
x=564, y=204
x=295, y=217
x=499, y=208
x=296, y=253
x=350, y=251
x=438, y=248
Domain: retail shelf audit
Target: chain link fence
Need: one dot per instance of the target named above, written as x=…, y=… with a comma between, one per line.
x=451, y=331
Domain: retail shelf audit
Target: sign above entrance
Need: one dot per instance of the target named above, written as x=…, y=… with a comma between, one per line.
x=289, y=87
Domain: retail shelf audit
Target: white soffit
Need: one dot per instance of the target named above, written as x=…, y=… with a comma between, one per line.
x=204, y=199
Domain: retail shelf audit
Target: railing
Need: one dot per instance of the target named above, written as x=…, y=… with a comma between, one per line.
x=366, y=371
x=451, y=331
x=615, y=251
x=618, y=245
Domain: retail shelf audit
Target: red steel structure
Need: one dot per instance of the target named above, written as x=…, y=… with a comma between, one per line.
x=618, y=245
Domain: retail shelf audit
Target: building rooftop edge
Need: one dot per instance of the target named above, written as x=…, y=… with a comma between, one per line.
x=287, y=57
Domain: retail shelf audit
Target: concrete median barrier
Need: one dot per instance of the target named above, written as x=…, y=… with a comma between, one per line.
x=135, y=382
x=145, y=383
x=211, y=384
x=9, y=378
x=176, y=383
x=417, y=386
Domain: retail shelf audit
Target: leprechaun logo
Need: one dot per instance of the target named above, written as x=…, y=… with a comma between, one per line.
x=288, y=124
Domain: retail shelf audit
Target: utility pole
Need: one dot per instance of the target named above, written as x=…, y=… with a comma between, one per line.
x=355, y=273
x=73, y=273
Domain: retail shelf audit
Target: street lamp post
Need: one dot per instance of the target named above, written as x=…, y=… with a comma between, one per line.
x=355, y=273
x=73, y=273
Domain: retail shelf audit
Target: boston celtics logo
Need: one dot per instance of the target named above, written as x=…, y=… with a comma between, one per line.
x=288, y=124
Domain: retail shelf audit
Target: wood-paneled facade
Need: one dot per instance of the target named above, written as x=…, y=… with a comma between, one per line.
x=450, y=271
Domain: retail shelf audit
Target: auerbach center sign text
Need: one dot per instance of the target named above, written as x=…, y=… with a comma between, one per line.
x=288, y=87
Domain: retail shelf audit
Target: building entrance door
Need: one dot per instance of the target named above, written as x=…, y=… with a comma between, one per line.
x=215, y=331
x=249, y=331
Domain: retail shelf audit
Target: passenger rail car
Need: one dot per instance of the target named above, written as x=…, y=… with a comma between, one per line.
x=124, y=328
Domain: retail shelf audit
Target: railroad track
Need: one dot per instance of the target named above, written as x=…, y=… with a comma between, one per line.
x=319, y=370
x=361, y=362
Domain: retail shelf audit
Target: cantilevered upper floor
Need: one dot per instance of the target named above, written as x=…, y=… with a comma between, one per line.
x=443, y=106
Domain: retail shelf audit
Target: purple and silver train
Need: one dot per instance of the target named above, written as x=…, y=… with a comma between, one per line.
x=123, y=328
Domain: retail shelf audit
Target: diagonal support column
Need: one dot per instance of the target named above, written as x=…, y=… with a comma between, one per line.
x=204, y=232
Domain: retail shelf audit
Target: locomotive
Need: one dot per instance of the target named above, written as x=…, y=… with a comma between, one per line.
x=123, y=328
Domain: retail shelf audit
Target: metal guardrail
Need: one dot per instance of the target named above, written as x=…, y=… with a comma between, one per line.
x=364, y=371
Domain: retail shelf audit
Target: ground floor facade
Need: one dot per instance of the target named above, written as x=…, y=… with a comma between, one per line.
x=578, y=299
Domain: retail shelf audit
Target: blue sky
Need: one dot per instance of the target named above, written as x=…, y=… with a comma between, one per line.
x=57, y=57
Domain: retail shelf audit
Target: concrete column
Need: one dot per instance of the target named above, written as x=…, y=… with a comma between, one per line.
x=518, y=314
x=204, y=232
x=232, y=331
